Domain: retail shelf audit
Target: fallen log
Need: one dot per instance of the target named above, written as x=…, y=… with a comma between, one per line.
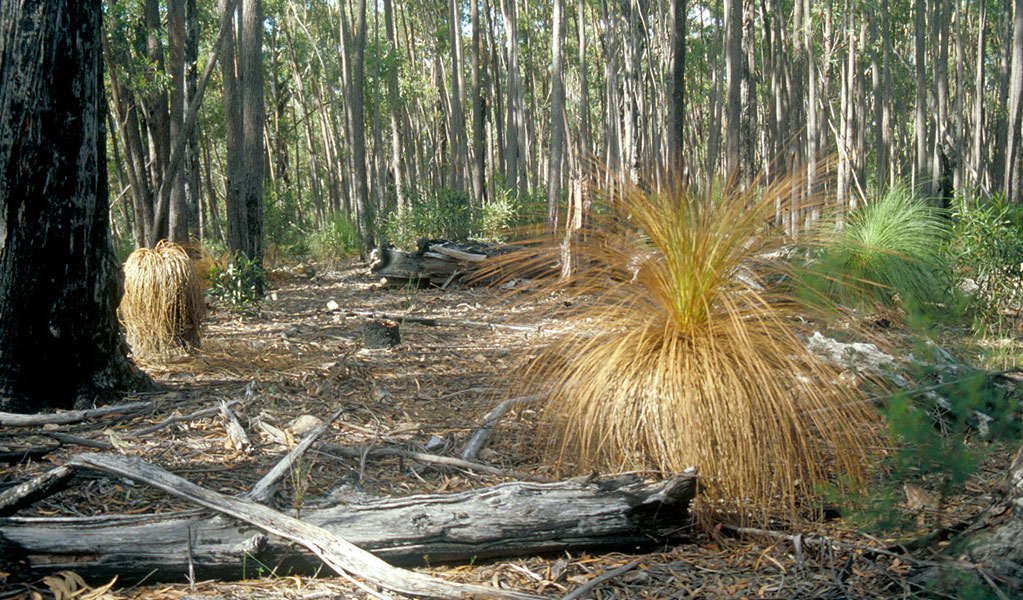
x=510, y=519
x=339, y=554
x=437, y=262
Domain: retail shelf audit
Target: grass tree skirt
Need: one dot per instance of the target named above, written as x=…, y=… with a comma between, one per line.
x=162, y=308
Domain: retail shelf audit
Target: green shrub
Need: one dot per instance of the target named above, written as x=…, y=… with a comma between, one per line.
x=986, y=249
x=929, y=436
x=284, y=235
x=337, y=238
x=238, y=283
x=887, y=248
x=450, y=215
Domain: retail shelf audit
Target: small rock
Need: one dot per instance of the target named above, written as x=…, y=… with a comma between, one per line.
x=332, y=305
x=303, y=424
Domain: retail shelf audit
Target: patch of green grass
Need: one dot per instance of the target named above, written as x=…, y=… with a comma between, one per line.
x=886, y=250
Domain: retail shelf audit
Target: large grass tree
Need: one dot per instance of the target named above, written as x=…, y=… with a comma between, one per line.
x=60, y=283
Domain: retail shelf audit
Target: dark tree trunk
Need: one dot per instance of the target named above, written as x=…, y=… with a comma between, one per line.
x=60, y=283
x=357, y=125
x=250, y=67
x=733, y=78
x=557, y=115
x=234, y=206
x=677, y=102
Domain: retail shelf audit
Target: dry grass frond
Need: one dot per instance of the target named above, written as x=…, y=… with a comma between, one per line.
x=162, y=308
x=686, y=356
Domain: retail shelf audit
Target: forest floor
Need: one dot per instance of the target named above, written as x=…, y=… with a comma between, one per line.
x=428, y=394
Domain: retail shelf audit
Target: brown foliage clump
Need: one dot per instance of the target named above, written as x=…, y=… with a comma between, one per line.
x=162, y=308
x=686, y=352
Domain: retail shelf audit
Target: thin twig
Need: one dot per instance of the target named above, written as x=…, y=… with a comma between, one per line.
x=582, y=590
x=449, y=461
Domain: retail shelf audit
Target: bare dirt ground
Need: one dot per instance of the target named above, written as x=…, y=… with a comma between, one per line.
x=428, y=394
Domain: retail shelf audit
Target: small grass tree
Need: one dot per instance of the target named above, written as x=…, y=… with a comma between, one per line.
x=684, y=355
x=162, y=308
x=889, y=248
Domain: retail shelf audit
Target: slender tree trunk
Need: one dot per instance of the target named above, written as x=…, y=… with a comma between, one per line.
x=677, y=102
x=157, y=116
x=585, y=129
x=457, y=159
x=920, y=123
x=250, y=66
x=479, y=107
x=557, y=155
x=177, y=219
x=940, y=189
x=880, y=94
x=358, y=127
x=193, y=189
x=398, y=172
x=513, y=154
x=733, y=98
x=234, y=206
x=1014, y=138
x=888, y=140
x=977, y=157
x=812, y=120
x=60, y=282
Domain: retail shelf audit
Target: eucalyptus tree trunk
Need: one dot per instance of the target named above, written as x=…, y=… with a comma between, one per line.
x=60, y=282
x=677, y=100
x=234, y=206
x=190, y=168
x=514, y=154
x=557, y=155
x=250, y=67
x=394, y=100
x=960, y=121
x=880, y=95
x=920, y=123
x=156, y=115
x=733, y=98
x=456, y=127
x=977, y=156
x=177, y=218
x=1014, y=138
x=479, y=152
x=812, y=119
x=999, y=163
x=585, y=129
x=887, y=139
x=940, y=189
x=358, y=126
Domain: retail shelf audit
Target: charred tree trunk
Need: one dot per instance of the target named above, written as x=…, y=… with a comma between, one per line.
x=60, y=283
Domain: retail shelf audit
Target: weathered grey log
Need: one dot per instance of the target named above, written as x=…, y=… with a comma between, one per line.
x=511, y=519
x=434, y=261
x=339, y=554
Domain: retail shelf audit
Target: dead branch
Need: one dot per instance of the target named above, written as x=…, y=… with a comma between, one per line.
x=479, y=438
x=73, y=416
x=264, y=488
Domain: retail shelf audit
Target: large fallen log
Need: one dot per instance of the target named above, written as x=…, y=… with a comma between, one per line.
x=510, y=519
